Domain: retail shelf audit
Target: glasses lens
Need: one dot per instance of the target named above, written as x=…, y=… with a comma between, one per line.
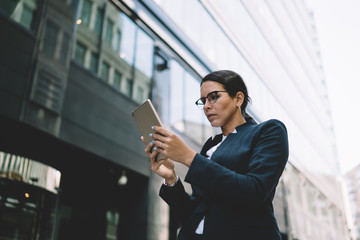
x=213, y=97
x=200, y=103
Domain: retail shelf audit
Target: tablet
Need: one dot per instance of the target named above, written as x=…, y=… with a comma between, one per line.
x=145, y=116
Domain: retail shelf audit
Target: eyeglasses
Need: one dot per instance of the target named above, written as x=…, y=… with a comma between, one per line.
x=212, y=97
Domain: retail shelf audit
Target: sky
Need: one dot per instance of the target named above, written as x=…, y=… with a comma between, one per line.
x=338, y=27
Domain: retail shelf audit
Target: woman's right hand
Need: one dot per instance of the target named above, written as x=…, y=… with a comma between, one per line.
x=164, y=168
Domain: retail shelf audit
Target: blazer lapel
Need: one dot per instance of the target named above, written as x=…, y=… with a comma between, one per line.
x=210, y=143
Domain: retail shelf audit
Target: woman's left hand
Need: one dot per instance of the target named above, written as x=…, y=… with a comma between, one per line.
x=172, y=146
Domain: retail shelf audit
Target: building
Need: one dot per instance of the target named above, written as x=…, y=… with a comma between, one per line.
x=353, y=190
x=72, y=164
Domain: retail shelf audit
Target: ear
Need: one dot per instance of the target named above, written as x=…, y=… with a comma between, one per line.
x=239, y=99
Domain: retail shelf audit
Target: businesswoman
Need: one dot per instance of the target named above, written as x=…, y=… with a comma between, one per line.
x=234, y=176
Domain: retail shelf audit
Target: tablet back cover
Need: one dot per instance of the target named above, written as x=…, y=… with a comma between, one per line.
x=145, y=116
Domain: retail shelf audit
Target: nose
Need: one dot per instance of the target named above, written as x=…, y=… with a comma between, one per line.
x=207, y=104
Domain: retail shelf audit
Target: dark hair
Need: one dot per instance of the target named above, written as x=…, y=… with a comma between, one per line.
x=232, y=83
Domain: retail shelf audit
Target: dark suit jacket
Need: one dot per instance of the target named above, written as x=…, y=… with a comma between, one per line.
x=234, y=190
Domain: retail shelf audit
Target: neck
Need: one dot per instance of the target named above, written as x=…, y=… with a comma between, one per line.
x=231, y=127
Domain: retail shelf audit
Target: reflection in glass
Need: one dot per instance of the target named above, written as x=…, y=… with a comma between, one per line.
x=99, y=21
x=112, y=221
x=117, y=80
x=86, y=12
x=144, y=53
x=109, y=31
x=94, y=60
x=79, y=55
x=177, y=96
x=105, y=69
x=128, y=40
x=50, y=38
x=120, y=64
x=64, y=48
x=22, y=12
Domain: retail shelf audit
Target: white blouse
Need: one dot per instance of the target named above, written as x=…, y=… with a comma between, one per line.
x=209, y=153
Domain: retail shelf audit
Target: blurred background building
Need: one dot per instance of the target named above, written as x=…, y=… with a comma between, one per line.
x=352, y=185
x=72, y=165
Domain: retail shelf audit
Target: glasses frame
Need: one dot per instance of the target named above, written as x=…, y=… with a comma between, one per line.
x=202, y=101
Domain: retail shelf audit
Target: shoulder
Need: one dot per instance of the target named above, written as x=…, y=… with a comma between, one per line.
x=271, y=127
x=272, y=123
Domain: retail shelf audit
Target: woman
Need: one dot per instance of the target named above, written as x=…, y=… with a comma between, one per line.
x=235, y=175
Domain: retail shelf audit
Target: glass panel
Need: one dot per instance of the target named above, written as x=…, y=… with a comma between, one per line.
x=109, y=31
x=144, y=53
x=117, y=41
x=112, y=221
x=86, y=12
x=121, y=60
x=139, y=96
x=177, y=97
x=94, y=60
x=99, y=21
x=117, y=80
x=192, y=114
x=22, y=12
x=50, y=38
x=26, y=17
x=127, y=40
x=128, y=86
x=64, y=48
x=79, y=55
x=105, y=70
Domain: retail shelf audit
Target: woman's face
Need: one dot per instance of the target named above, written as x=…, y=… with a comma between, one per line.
x=225, y=112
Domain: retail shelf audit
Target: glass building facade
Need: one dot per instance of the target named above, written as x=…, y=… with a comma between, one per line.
x=87, y=63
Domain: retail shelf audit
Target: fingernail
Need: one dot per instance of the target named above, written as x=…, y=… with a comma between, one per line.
x=152, y=127
x=150, y=134
x=152, y=142
x=154, y=149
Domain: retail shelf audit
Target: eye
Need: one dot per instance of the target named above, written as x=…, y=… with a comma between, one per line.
x=213, y=97
x=203, y=100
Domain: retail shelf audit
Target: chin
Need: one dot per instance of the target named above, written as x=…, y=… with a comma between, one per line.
x=215, y=124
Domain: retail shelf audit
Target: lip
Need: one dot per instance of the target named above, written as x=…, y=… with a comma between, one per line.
x=210, y=115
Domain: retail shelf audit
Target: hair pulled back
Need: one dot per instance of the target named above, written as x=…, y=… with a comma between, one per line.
x=232, y=83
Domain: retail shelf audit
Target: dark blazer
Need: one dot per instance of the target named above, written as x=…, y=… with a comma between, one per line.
x=234, y=190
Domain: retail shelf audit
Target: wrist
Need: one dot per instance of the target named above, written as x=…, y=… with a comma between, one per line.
x=190, y=158
x=172, y=181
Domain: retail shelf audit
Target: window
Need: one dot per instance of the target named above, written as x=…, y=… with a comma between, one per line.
x=109, y=31
x=105, y=69
x=80, y=51
x=112, y=221
x=99, y=21
x=86, y=12
x=22, y=12
x=117, y=80
x=128, y=87
x=26, y=17
x=117, y=41
x=140, y=94
x=64, y=48
x=144, y=53
x=94, y=60
x=128, y=40
x=50, y=38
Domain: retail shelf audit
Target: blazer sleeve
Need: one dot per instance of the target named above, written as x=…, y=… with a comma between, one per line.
x=267, y=161
x=178, y=200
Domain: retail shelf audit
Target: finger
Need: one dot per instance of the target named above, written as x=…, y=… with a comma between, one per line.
x=159, y=144
x=143, y=140
x=162, y=131
x=152, y=156
x=158, y=149
x=159, y=137
x=148, y=148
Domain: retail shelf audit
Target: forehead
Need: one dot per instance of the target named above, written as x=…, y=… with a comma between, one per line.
x=210, y=86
